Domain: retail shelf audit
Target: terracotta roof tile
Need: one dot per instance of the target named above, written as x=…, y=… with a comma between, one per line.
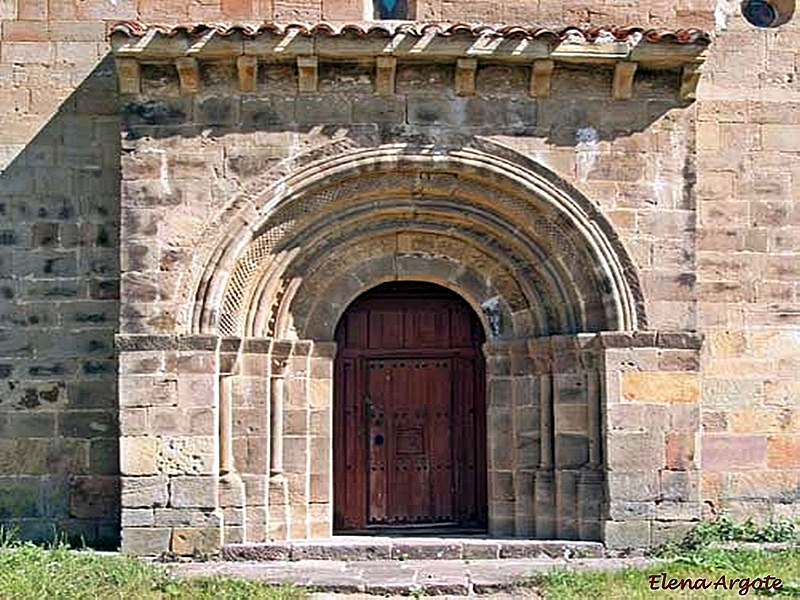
x=391, y=28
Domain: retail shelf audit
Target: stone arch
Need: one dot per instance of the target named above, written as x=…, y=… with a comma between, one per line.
x=537, y=262
x=512, y=238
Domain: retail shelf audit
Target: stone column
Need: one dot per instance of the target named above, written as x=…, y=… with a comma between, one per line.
x=544, y=490
x=169, y=447
x=232, y=498
x=278, y=518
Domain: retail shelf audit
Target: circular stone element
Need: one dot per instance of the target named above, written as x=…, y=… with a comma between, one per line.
x=759, y=13
x=768, y=13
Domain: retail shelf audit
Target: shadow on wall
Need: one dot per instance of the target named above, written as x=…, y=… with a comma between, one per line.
x=59, y=307
x=420, y=112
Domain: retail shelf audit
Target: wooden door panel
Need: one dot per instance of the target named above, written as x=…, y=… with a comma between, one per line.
x=385, y=329
x=411, y=469
x=348, y=449
x=439, y=402
x=356, y=329
x=426, y=327
x=409, y=430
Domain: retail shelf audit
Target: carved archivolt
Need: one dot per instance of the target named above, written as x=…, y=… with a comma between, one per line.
x=525, y=249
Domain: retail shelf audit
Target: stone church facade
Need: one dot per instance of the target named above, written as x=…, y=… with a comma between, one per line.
x=522, y=269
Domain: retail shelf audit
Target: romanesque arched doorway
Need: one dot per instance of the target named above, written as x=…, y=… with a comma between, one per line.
x=409, y=447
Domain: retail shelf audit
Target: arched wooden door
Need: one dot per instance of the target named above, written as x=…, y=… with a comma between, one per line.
x=409, y=412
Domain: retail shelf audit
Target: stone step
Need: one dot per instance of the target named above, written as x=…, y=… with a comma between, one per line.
x=418, y=578
x=402, y=548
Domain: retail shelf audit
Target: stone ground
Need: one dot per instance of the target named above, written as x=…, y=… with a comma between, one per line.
x=340, y=580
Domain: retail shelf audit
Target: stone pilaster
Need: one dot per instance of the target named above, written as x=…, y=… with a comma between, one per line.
x=169, y=447
x=651, y=415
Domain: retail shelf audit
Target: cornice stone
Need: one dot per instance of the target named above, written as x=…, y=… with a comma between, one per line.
x=384, y=45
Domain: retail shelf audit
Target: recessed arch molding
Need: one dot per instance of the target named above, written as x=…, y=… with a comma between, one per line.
x=524, y=248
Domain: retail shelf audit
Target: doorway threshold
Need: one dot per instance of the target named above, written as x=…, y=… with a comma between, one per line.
x=361, y=547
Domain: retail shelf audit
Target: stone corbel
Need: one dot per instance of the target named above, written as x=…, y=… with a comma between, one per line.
x=385, y=69
x=307, y=67
x=129, y=75
x=690, y=77
x=624, y=72
x=541, y=73
x=465, y=76
x=188, y=74
x=247, y=67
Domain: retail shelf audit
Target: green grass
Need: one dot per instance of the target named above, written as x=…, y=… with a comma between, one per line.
x=56, y=572
x=634, y=584
x=694, y=557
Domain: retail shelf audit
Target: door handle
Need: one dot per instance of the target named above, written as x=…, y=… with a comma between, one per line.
x=378, y=440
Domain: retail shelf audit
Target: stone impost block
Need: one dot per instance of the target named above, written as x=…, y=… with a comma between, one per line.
x=193, y=492
x=146, y=541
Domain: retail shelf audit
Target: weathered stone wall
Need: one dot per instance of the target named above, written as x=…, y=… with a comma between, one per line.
x=59, y=291
x=708, y=218
x=212, y=157
x=748, y=141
